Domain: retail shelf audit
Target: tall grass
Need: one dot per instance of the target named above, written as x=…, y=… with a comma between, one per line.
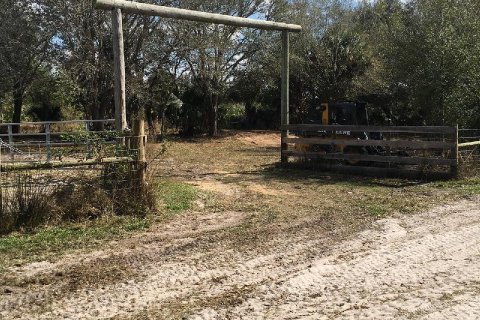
x=24, y=203
x=29, y=200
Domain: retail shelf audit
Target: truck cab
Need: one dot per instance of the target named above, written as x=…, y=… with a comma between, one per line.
x=343, y=113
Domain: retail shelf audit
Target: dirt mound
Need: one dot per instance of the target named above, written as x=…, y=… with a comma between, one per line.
x=260, y=138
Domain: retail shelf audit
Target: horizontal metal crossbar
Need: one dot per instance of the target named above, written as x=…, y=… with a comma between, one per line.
x=57, y=122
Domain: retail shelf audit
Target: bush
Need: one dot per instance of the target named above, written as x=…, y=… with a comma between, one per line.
x=25, y=205
x=231, y=115
x=82, y=201
x=128, y=194
x=28, y=201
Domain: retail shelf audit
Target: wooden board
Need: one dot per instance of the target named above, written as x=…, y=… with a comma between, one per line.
x=469, y=144
x=6, y=167
x=383, y=129
x=372, y=158
x=191, y=15
x=373, y=143
x=379, y=172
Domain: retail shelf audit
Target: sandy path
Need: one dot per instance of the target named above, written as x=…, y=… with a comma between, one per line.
x=425, y=266
x=421, y=267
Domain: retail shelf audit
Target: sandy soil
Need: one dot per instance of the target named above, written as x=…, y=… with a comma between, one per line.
x=263, y=139
x=425, y=266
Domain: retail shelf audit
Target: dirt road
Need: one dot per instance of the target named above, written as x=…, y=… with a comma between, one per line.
x=425, y=266
x=274, y=245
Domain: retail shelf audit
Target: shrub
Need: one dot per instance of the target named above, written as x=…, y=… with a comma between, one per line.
x=28, y=201
x=128, y=194
x=84, y=200
x=25, y=204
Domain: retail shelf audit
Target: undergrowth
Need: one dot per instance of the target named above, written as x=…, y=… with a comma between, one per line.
x=29, y=201
x=48, y=242
x=83, y=215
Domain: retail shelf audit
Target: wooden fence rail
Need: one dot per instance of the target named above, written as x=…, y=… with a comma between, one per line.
x=383, y=129
x=415, y=151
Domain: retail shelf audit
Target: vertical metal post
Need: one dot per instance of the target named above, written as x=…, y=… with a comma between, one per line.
x=10, y=142
x=88, y=150
x=48, y=142
x=119, y=70
x=455, y=151
x=285, y=91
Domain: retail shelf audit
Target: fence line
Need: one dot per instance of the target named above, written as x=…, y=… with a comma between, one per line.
x=379, y=150
x=41, y=142
x=59, y=122
x=469, y=147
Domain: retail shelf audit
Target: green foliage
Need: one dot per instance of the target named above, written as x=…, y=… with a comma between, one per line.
x=176, y=196
x=464, y=187
x=96, y=142
x=231, y=114
x=425, y=54
x=414, y=62
x=51, y=97
x=67, y=237
x=377, y=210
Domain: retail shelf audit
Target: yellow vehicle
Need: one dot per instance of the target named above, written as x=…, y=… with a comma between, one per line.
x=340, y=113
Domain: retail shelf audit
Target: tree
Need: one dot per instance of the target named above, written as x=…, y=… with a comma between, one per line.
x=85, y=36
x=424, y=60
x=212, y=54
x=25, y=46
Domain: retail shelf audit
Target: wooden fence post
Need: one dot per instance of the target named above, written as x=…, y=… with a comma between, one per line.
x=139, y=143
x=88, y=145
x=119, y=70
x=48, y=142
x=285, y=119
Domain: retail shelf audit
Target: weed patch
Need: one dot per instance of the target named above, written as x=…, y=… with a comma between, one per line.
x=48, y=242
x=176, y=196
x=377, y=210
x=464, y=187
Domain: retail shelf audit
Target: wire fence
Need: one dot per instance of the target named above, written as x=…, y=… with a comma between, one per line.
x=469, y=141
x=469, y=151
x=34, y=142
x=72, y=170
x=32, y=198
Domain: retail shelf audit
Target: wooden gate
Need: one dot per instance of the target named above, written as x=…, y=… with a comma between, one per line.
x=375, y=150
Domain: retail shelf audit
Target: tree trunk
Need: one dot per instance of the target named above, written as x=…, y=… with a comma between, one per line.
x=250, y=113
x=97, y=126
x=213, y=116
x=162, y=127
x=18, y=93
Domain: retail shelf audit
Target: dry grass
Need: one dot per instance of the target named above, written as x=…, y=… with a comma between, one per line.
x=274, y=195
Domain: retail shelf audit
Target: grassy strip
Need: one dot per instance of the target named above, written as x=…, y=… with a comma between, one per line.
x=49, y=242
x=465, y=187
x=46, y=243
x=176, y=196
